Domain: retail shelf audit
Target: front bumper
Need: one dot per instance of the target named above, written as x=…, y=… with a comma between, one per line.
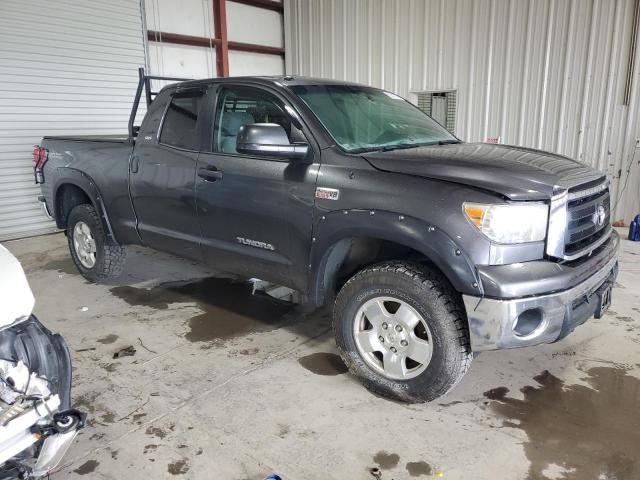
x=492, y=321
x=36, y=433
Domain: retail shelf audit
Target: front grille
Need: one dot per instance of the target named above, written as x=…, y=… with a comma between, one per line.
x=588, y=220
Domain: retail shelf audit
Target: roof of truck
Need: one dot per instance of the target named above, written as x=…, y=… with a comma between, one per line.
x=282, y=81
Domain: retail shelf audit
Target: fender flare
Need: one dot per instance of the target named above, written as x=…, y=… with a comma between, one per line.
x=73, y=176
x=333, y=231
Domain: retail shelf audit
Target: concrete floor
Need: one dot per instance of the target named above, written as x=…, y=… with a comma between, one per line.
x=228, y=385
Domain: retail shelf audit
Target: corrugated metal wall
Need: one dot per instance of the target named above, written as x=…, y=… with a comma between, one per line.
x=195, y=17
x=66, y=67
x=547, y=74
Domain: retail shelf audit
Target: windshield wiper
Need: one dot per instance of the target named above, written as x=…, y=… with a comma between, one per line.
x=400, y=146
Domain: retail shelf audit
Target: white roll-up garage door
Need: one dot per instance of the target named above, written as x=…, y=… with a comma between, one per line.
x=67, y=67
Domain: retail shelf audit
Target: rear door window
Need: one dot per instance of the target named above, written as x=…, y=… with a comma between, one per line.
x=180, y=121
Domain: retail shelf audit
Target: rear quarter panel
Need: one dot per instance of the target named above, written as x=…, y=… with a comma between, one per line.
x=102, y=166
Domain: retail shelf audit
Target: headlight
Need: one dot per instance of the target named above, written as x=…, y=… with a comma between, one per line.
x=509, y=223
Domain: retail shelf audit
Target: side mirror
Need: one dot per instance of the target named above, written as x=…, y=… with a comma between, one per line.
x=268, y=140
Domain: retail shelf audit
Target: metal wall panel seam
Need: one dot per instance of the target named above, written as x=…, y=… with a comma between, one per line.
x=454, y=73
x=604, y=105
x=382, y=36
x=425, y=42
x=344, y=36
x=526, y=80
x=582, y=136
x=145, y=41
x=396, y=43
x=334, y=31
x=440, y=44
x=490, y=60
x=369, y=40
x=506, y=74
x=472, y=62
x=565, y=72
x=620, y=113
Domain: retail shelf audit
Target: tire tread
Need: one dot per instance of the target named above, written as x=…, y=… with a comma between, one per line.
x=113, y=256
x=429, y=279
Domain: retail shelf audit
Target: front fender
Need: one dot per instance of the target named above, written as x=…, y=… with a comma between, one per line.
x=332, y=229
x=73, y=176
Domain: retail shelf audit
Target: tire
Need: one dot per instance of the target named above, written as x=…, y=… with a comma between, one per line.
x=426, y=297
x=106, y=261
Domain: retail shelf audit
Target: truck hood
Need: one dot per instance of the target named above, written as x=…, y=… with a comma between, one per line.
x=517, y=173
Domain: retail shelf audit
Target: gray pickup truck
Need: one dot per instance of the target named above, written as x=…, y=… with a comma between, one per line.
x=429, y=248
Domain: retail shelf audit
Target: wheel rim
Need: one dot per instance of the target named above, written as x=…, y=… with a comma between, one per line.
x=393, y=338
x=84, y=244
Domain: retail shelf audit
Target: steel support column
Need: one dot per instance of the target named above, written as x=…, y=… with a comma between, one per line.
x=220, y=31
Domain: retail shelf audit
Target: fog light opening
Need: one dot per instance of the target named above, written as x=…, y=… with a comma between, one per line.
x=528, y=322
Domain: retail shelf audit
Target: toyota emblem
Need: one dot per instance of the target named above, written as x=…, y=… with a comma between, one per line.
x=600, y=215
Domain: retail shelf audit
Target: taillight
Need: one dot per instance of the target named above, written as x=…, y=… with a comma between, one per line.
x=40, y=155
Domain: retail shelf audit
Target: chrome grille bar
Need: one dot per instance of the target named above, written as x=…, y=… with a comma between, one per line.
x=579, y=222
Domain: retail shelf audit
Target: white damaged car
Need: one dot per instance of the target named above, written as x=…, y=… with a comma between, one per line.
x=37, y=425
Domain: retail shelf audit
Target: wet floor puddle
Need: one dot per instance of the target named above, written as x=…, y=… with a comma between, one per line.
x=322, y=363
x=179, y=467
x=87, y=467
x=386, y=461
x=62, y=265
x=107, y=340
x=230, y=308
x=588, y=431
x=419, y=469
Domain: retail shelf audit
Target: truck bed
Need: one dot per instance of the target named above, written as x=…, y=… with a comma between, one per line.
x=121, y=138
x=98, y=165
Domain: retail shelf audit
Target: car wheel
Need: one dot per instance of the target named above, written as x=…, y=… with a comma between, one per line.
x=92, y=256
x=401, y=328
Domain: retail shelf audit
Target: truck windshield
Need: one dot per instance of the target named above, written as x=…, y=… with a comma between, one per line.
x=362, y=119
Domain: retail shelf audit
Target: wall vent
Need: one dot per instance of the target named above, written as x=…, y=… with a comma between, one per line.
x=441, y=106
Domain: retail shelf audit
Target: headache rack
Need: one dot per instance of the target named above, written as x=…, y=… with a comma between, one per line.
x=144, y=83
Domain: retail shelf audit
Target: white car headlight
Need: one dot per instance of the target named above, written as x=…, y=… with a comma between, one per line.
x=509, y=223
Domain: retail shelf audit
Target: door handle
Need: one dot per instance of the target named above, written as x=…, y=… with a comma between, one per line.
x=209, y=174
x=134, y=164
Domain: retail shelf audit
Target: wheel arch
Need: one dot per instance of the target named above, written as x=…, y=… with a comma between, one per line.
x=77, y=188
x=349, y=240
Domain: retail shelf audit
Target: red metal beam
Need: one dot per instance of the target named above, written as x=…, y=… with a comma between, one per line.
x=267, y=4
x=220, y=31
x=251, y=47
x=180, y=39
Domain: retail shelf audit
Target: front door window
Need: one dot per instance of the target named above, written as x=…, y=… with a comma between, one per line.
x=239, y=106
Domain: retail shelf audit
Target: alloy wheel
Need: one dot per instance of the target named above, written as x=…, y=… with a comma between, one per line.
x=393, y=338
x=84, y=244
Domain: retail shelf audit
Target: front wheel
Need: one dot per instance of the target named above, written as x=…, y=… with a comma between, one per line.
x=93, y=257
x=400, y=327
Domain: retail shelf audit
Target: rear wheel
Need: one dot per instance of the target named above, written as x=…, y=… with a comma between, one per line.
x=94, y=259
x=401, y=328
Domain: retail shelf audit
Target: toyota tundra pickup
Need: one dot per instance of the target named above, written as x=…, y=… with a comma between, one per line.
x=429, y=248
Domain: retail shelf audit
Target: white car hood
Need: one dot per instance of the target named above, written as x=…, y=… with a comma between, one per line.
x=16, y=299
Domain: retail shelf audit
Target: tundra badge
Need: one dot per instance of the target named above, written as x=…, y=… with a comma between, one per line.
x=255, y=243
x=327, y=193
